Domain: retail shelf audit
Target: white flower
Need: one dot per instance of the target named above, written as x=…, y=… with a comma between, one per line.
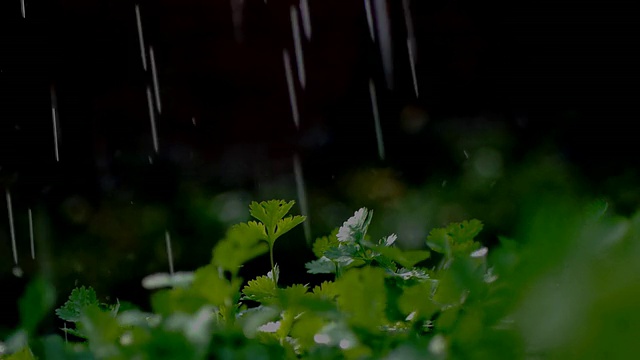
x=356, y=223
x=390, y=239
x=482, y=252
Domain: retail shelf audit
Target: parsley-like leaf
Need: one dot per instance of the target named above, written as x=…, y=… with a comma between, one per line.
x=324, y=243
x=80, y=299
x=260, y=289
x=321, y=266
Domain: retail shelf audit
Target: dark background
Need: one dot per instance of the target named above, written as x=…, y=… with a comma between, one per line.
x=547, y=71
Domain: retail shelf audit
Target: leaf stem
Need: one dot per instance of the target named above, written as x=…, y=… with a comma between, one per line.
x=273, y=269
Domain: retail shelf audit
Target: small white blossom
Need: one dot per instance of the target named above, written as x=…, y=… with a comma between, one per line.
x=270, y=327
x=355, y=223
x=482, y=252
x=390, y=239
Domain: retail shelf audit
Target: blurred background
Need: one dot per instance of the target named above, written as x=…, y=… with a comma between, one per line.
x=123, y=121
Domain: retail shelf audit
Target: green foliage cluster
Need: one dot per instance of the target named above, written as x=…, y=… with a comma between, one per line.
x=538, y=297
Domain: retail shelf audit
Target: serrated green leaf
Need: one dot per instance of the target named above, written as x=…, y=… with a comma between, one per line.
x=321, y=266
x=285, y=225
x=270, y=212
x=38, y=299
x=456, y=238
x=261, y=289
x=324, y=243
x=80, y=299
x=349, y=250
x=293, y=295
x=464, y=231
x=326, y=290
x=406, y=258
x=355, y=228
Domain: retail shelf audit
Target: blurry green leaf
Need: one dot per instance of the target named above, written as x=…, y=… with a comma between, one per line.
x=456, y=238
x=38, y=299
x=24, y=354
x=250, y=320
x=362, y=296
x=418, y=298
x=406, y=258
x=168, y=301
x=439, y=241
x=292, y=296
x=464, y=231
x=242, y=243
x=102, y=331
x=324, y=243
x=326, y=290
x=321, y=266
x=305, y=328
x=597, y=208
x=80, y=299
x=209, y=284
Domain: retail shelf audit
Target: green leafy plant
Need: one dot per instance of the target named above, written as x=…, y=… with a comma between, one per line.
x=454, y=298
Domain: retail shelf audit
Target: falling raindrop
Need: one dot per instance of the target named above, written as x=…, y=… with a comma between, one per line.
x=11, y=227
x=17, y=271
x=141, y=38
x=466, y=154
x=167, y=238
x=306, y=18
x=22, y=9
x=152, y=117
x=237, y=8
x=156, y=85
x=411, y=44
x=292, y=90
x=56, y=125
x=193, y=121
x=367, y=9
x=302, y=196
x=31, y=237
x=297, y=44
x=150, y=159
x=383, y=26
x=376, y=119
